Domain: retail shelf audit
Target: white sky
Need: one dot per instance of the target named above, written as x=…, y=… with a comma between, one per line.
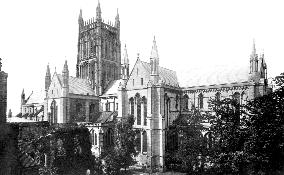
x=189, y=34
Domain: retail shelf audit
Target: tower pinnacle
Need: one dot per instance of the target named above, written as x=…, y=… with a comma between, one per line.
x=154, y=52
x=125, y=57
x=253, y=48
x=117, y=22
x=154, y=60
x=99, y=12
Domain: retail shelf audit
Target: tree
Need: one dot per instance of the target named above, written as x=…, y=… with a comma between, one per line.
x=265, y=133
x=191, y=153
x=226, y=153
x=123, y=152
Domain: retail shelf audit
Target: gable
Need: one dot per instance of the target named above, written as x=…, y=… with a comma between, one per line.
x=55, y=88
x=139, y=76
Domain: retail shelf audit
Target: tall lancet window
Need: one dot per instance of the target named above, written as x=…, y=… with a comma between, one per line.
x=200, y=101
x=131, y=102
x=144, y=147
x=138, y=114
x=145, y=110
x=185, y=102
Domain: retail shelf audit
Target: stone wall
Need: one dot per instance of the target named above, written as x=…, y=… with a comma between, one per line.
x=3, y=96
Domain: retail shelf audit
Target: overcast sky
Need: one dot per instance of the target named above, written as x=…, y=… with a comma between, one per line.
x=189, y=34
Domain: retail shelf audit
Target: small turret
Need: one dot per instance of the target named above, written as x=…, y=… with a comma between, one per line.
x=154, y=59
x=125, y=65
x=65, y=75
x=154, y=62
x=99, y=12
x=253, y=59
x=23, y=97
x=47, y=78
x=117, y=21
x=80, y=20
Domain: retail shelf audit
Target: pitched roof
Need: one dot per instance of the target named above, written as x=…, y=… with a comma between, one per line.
x=112, y=88
x=78, y=85
x=213, y=76
x=168, y=76
x=37, y=97
x=106, y=116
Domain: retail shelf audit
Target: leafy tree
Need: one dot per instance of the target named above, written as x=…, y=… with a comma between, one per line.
x=191, y=153
x=265, y=133
x=226, y=126
x=123, y=152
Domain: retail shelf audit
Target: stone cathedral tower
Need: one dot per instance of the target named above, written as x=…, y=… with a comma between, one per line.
x=99, y=51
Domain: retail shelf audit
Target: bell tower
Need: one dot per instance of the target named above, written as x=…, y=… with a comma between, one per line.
x=99, y=50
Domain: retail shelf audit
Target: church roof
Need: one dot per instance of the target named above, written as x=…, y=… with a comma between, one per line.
x=37, y=97
x=78, y=86
x=168, y=76
x=106, y=116
x=216, y=75
x=112, y=88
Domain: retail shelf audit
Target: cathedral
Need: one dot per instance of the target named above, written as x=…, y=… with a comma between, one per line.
x=104, y=90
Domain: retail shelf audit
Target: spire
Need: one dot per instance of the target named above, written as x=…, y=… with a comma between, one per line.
x=47, y=71
x=47, y=78
x=65, y=68
x=80, y=19
x=65, y=75
x=253, y=49
x=154, y=61
x=154, y=52
x=80, y=15
x=23, y=92
x=99, y=12
x=125, y=57
x=125, y=65
x=117, y=22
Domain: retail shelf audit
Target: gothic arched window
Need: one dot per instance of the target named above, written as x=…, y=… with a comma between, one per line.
x=109, y=138
x=185, y=102
x=53, y=109
x=92, y=137
x=200, y=101
x=144, y=147
x=138, y=142
x=218, y=96
x=96, y=141
x=145, y=110
x=131, y=102
x=138, y=114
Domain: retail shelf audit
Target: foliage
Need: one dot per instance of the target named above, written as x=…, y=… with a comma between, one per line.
x=121, y=155
x=191, y=153
x=228, y=132
x=241, y=139
x=265, y=133
x=61, y=148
